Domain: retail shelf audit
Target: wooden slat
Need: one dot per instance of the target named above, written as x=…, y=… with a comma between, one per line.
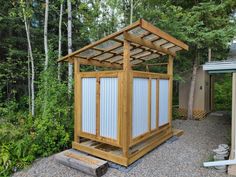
x=157, y=104
x=100, y=139
x=143, y=74
x=105, y=51
x=149, y=27
x=149, y=104
x=97, y=106
x=148, y=135
x=146, y=43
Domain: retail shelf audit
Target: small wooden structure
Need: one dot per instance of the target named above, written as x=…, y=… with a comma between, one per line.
x=120, y=115
x=203, y=95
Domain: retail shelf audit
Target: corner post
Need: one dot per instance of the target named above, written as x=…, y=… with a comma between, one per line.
x=233, y=137
x=126, y=118
x=77, y=100
x=170, y=73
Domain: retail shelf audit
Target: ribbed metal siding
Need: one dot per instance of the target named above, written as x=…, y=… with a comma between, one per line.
x=153, y=103
x=140, y=107
x=163, y=101
x=108, y=107
x=89, y=105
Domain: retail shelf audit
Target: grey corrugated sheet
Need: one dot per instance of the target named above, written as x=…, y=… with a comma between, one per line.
x=163, y=101
x=89, y=105
x=108, y=107
x=140, y=107
x=153, y=103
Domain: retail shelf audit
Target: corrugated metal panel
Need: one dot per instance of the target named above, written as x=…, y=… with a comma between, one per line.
x=163, y=101
x=89, y=105
x=108, y=107
x=140, y=107
x=153, y=103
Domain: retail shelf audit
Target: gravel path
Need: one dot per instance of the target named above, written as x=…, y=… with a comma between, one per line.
x=183, y=157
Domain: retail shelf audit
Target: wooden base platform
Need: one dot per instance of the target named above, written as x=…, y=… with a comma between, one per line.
x=115, y=154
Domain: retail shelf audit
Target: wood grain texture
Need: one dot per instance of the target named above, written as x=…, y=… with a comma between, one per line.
x=82, y=162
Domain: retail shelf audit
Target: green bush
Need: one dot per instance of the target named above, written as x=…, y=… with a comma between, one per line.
x=223, y=92
x=24, y=138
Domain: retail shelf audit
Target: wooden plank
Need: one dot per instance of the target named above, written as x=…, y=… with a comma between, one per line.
x=92, y=62
x=97, y=106
x=113, y=73
x=100, y=153
x=151, y=28
x=159, y=139
x=113, y=35
x=76, y=101
x=148, y=135
x=143, y=74
x=177, y=132
x=146, y=43
x=82, y=162
x=100, y=139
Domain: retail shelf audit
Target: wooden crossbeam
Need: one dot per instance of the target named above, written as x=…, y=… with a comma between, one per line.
x=146, y=43
x=93, y=62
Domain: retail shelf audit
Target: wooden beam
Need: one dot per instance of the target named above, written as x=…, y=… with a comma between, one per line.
x=82, y=162
x=126, y=124
x=149, y=27
x=84, y=61
x=76, y=100
x=146, y=43
x=170, y=93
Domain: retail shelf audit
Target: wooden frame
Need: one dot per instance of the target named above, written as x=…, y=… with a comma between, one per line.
x=124, y=149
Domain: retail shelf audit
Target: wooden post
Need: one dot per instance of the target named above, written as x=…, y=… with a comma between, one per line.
x=233, y=116
x=212, y=93
x=126, y=118
x=232, y=168
x=76, y=100
x=170, y=72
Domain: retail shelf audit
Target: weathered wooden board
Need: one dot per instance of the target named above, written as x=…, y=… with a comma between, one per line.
x=82, y=162
x=177, y=132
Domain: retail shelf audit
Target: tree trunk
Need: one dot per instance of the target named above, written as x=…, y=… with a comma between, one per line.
x=69, y=31
x=131, y=11
x=192, y=90
x=32, y=63
x=29, y=81
x=46, y=34
x=59, y=42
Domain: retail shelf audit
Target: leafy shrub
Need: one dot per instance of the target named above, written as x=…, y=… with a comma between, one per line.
x=24, y=138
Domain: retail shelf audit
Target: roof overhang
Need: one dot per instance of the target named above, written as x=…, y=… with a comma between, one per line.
x=220, y=67
x=146, y=42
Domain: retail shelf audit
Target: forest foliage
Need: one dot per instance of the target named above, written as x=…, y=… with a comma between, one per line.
x=202, y=24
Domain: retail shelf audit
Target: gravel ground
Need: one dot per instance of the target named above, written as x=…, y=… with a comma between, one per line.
x=183, y=157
